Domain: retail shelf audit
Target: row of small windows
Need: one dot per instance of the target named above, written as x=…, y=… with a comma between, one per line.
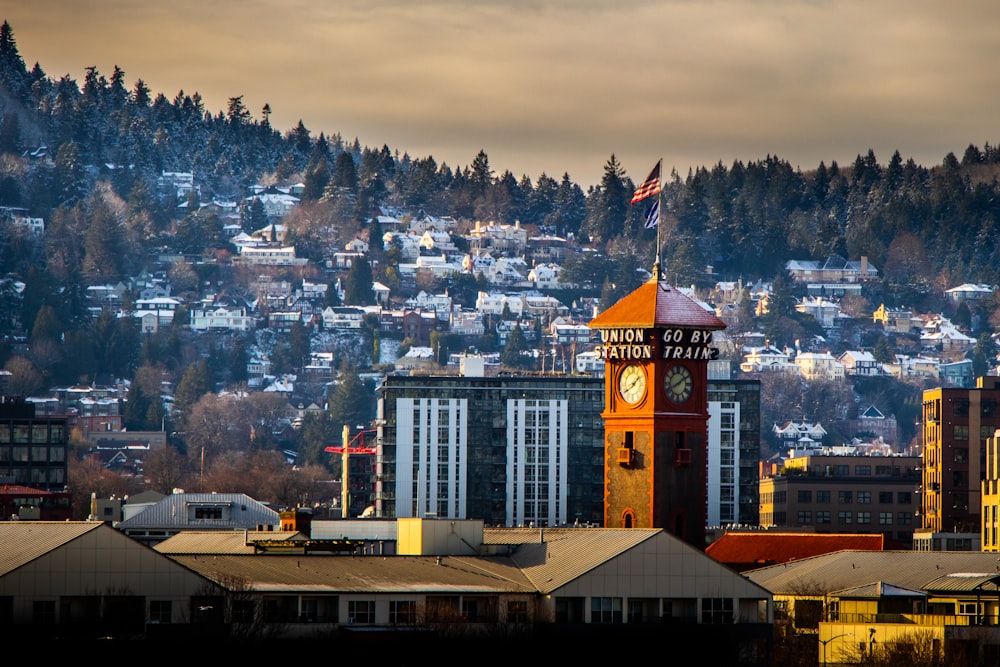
x=805, y=517
x=33, y=453
x=853, y=497
x=24, y=433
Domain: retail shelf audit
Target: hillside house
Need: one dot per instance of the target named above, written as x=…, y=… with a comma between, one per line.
x=819, y=365
x=860, y=363
x=831, y=270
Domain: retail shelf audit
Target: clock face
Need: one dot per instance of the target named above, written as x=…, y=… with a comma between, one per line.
x=632, y=383
x=678, y=384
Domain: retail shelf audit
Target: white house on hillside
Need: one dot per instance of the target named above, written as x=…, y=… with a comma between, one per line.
x=819, y=365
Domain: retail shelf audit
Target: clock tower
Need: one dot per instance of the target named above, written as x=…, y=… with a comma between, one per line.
x=656, y=344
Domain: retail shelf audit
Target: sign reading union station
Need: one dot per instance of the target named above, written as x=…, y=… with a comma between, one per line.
x=638, y=343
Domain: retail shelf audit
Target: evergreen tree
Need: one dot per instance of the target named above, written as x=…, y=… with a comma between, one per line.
x=516, y=344
x=344, y=174
x=350, y=404
x=299, y=344
x=608, y=207
x=195, y=383
x=358, y=284
x=136, y=408
x=238, y=360
x=882, y=351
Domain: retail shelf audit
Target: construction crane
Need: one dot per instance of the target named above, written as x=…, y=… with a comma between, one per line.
x=355, y=445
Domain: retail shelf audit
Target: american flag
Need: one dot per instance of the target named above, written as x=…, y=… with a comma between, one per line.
x=649, y=187
x=653, y=215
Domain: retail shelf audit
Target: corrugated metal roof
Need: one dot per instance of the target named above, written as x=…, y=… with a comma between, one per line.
x=171, y=512
x=364, y=574
x=23, y=541
x=552, y=557
x=847, y=569
x=878, y=589
x=221, y=541
x=654, y=303
x=966, y=582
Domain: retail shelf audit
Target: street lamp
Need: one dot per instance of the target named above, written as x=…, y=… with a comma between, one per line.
x=824, y=642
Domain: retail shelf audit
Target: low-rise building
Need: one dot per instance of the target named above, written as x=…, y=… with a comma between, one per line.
x=844, y=494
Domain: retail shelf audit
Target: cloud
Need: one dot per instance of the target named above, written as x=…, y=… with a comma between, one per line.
x=559, y=86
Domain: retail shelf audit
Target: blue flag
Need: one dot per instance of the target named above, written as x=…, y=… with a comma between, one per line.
x=653, y=215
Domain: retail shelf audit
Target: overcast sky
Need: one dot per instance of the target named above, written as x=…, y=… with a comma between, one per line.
x=559, y=86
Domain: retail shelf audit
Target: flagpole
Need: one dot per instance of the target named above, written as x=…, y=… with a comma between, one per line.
x=659, y=206
x=650, y=186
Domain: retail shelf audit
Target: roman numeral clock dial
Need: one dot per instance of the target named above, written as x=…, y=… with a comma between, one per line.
x=678, y=384
x=632, y=384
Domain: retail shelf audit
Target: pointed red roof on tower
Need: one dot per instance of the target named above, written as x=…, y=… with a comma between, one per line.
x=654, y=303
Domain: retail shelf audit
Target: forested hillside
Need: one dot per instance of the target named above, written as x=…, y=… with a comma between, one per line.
x=924, y=227
x=87, y=158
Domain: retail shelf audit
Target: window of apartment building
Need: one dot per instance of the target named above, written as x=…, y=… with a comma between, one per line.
x=780, y=518
x=780, y=497
x=361, y=611
x=160, y=611
x=717, y=611
x=960, y=407
x=402, y=612
x=805, y=496
x=885, y=497
x=960, y=432
x=885, y=518
x=844, y=518
x=904, y=498
x=988, y=407
x=883, y=471
x=822, y=517
x=822, y=496
x=864, y=518
x=602, y=610
x=805, y=517
x=986, y=432
x=863, y=470
x=841, y=470
x=904, y=518
x=844, y=497
x=864, y=497
x=960, y=455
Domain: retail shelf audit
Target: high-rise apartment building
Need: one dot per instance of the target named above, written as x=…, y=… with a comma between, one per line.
x=957, y=422
x=33, y=448
x=494, y=448
x=733, y=451
x=512, y=450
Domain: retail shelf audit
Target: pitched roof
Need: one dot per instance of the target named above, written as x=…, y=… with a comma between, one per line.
x=23, y=541
x=656, y=304
x=743, y=551
x=373, y=574
x=172, y=512
x=916, y=570
x=552, y=557
x=222, y=541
